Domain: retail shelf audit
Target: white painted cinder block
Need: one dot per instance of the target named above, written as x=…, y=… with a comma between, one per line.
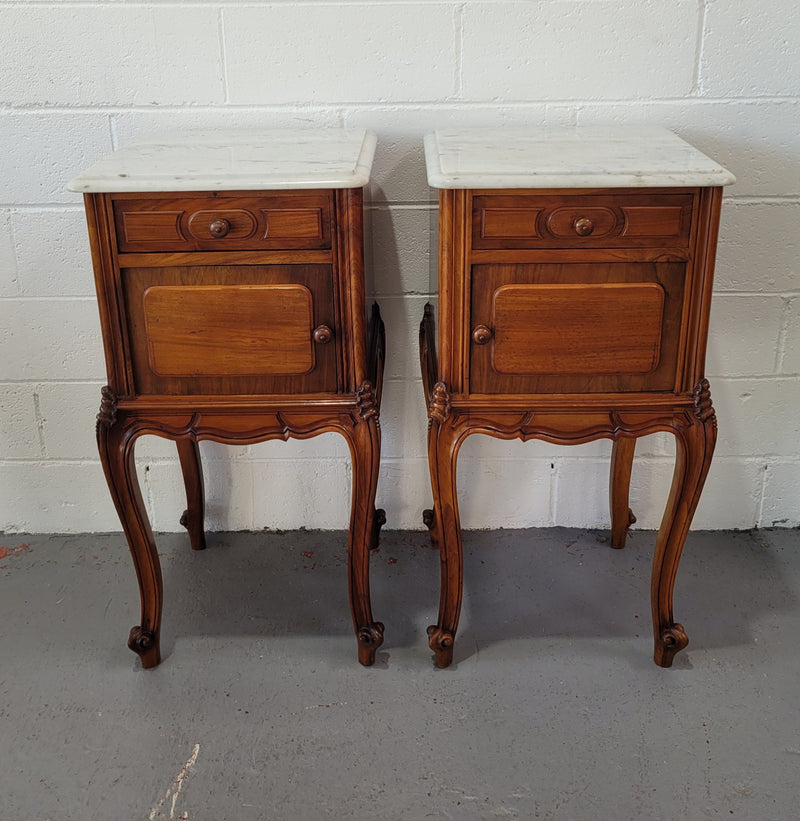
x=402, y=316
x=495, y=493
x=8, y=261
x=790, y=361
x=43, y=151
x=53, y=255
x=55, y=497
x=759, y=247
x=311, y=493
x=578, y=50
x=743, y=335
x=129, y=124
x=111, y=54
x=67, y=416
x=780, y=507
x=750, y=50
x=19, y=433
x=44, y=339
x=401, y=250
x=339, y=53
x=757, y=417
x=404, y=421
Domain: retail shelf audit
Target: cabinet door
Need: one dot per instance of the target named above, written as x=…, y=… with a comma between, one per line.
x=575, y=327
x=231, y=330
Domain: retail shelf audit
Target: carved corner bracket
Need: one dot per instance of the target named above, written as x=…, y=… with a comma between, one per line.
x=703, y=407
x=108, y=408
x=366, y=401
x=439, y=408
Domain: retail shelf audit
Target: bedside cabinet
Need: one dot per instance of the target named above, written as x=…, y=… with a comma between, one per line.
x=230, y=281
x=575, y=276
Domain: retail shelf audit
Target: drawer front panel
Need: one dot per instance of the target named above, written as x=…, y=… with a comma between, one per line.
x=519, y=221
x=575, y=327
x=284, y=221
x=232, y=330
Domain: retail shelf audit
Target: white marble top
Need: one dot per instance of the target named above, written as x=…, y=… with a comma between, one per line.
x=235, y=160
x=579, y=157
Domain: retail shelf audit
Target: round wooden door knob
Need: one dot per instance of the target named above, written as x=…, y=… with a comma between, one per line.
x=583, y=226
x=219, y=228
x=481, y=334
x=323, y=335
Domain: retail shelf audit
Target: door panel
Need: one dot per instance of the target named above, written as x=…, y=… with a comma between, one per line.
x=575, y=327
x=248, y=329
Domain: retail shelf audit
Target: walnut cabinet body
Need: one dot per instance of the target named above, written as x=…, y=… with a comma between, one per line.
x=235, y=316
x=570, y=315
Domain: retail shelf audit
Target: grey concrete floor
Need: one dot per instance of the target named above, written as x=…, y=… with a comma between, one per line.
x=553, y=709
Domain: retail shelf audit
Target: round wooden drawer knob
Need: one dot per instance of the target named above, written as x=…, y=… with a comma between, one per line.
x=481, y=334
x=219, y=228
x=323, y=335
x=583, y=226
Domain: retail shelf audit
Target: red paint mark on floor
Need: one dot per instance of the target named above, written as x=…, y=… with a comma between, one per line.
x=392, y=560
x=5, y=552
x=307, y=553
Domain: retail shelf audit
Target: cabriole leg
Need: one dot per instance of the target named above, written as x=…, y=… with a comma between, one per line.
x=619, y=489
x=115, y=441
x=194, y=516
x=443, y=444
x=365, y=448
x=695, y=447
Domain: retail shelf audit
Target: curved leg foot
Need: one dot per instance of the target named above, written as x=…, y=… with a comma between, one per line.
x=115, y=440
x=370, y=638
x=194, y=515
x=441, y=642
x=146, y=645
x=671, y=641
x=365, y=447
x=444, y=437
x=619, y=489
x=696, y=435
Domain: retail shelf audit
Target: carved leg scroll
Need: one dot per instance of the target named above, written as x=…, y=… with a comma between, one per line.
x=443, y=444
x=115, y=442
x=696, y=436
x=619, y=488
x=192, y=469
x=365, y=447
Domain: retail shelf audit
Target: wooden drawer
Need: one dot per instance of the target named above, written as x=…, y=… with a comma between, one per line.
x=575, y=327
x=231, y=330
x=630, y=220
x=204, y=222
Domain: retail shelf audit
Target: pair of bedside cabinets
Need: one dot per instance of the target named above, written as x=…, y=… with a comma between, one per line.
x=574, y=287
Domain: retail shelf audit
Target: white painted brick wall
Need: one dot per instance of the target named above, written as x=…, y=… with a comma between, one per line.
x=80, y=78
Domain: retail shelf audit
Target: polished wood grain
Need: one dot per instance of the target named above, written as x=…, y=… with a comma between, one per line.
x=628, y=219
x=570, y=317
x=237, y=318
x=576, y=327
x=231, y=329
x=296, y=220
x=605, y=328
